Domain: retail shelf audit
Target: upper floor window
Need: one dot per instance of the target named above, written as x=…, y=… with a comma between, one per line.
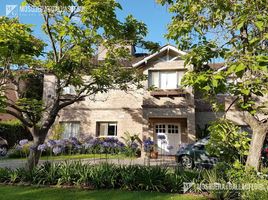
x=165, y=79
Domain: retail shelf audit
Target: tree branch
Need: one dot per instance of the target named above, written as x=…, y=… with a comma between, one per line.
x=19, y=117
x=250, y=120
x=229, y=107
x=46, y=18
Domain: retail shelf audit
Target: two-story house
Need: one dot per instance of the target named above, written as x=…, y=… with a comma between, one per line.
x=165, y=114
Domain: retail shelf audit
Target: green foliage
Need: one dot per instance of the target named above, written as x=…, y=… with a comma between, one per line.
x=202, y=132
x=56, y=132
x=74, y=36
x=133, y=144
x=13, y=131
x=235, y=31
x=214, y=177
x=132, y=177
x=131, y=138
x=227, y=142
x=4, y=175
x=44, y=193
x=17, y=44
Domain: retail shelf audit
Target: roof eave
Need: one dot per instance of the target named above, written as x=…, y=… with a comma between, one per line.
x=145, y=60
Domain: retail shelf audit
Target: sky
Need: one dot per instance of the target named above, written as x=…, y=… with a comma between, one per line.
x=155, y=16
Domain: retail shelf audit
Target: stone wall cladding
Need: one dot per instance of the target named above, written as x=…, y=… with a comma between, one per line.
x=129, y=109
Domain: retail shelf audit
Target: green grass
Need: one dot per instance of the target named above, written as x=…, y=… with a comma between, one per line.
x=31, y=193
x=76, y=156
x=82, y=156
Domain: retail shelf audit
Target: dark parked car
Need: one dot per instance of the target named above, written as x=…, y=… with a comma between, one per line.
x=3, y=147
x=195, y=155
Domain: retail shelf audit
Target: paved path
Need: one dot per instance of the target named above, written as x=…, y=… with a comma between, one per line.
x=18, y=163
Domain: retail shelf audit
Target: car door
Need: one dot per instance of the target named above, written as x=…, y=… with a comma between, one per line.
x=201, y=157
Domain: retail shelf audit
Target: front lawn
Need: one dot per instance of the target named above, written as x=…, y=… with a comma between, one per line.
x=31, y=193
x=83, y=156
x=77, y=156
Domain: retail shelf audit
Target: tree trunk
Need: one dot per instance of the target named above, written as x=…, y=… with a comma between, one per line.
x=254, y=156
x=35, y=154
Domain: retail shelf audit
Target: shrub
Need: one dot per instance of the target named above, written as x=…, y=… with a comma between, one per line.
x=70, y=173
x=133, y=177
x=4, y=175
x=151, y=178
x=13, y=131
x=46, y=174
x=227, y=142
x=105, y=176
x=213, y=177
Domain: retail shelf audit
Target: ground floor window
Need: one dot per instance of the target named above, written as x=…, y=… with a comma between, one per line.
x=70, y=129
x=106, y=128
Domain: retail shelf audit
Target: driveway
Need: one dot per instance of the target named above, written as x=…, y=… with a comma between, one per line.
x=19, y=163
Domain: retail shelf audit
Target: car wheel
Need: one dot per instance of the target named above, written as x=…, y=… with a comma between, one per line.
x=3, y=151
x=186, y=162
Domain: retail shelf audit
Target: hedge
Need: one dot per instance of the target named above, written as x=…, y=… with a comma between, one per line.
x=13, y=131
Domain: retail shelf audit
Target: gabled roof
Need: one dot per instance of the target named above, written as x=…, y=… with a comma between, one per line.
x=162, y=49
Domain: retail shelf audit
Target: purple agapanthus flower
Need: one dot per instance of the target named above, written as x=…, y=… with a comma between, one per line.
x=88, y=145
x=66, y=142
x=57, y=150
x=51, y=143
x=23, y=142
x=32, y=147
x=74, y=140
x=87, y=139
x=60, y=142
x=42, y=147
x=78, y=146
x=106, y=144
x=120, y=144
x=134, y=145
x=148, y=145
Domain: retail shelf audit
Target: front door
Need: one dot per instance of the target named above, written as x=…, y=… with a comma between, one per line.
x=168, y=138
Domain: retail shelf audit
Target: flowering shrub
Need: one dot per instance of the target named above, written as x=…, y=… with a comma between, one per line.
x=72, y=145
x=148, y=145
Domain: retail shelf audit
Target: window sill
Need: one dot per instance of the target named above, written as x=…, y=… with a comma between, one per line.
x=169, y=93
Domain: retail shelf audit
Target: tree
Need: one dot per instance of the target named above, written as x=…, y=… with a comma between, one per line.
x=227, y=142
x=74, y=30
x=236, y=31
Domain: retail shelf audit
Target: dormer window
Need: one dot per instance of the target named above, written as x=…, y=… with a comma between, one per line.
x=168, y=79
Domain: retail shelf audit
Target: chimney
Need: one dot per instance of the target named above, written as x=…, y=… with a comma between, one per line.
x=102, y=51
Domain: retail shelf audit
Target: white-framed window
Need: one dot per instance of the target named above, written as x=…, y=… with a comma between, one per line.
x=165, y=79
x=160, y=128
x=107, y=128
x=167, y=128
x=173, y=128
x=70, y=129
